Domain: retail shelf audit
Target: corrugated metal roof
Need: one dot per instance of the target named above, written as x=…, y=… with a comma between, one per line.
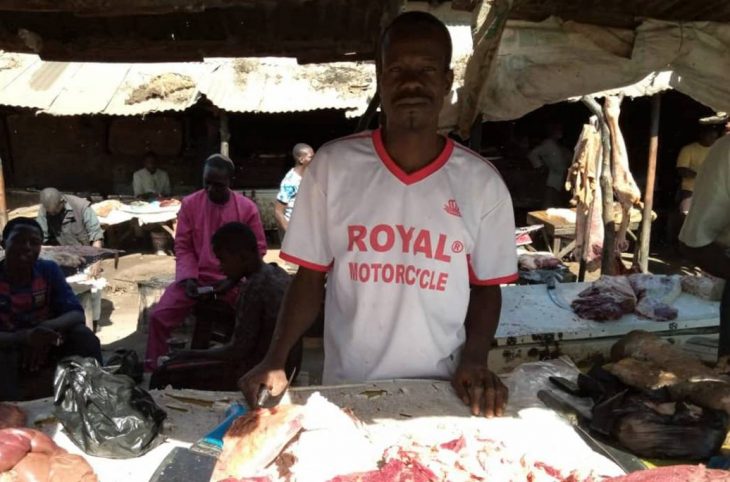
x=78, y=88
x=277, y=85
x=269, y=85
x=255, y=85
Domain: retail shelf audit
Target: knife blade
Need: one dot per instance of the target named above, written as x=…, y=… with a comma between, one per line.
x=576, y=418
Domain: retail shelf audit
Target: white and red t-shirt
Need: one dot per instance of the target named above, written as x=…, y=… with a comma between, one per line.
x=402, y=250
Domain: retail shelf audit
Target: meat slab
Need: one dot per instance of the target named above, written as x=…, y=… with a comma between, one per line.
x=675, y=473
x=656, y=294
x=254, y=440
x=11, y=416
x=609, y=298
x=27, y=455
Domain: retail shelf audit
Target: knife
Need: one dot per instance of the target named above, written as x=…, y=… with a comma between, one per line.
x=577, y=418
x=552, y=289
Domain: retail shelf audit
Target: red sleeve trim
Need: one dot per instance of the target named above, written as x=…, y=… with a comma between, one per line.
x=305, y=264
x=474, y=280
x=494, y=281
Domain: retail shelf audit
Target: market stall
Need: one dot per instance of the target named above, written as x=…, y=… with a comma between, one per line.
x=533, y=326
x=391, y=410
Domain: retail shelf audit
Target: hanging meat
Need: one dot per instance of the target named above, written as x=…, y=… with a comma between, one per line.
x=582, y=181
x=624, y=187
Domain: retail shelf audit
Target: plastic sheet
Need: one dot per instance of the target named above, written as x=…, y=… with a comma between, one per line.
x=105, y=414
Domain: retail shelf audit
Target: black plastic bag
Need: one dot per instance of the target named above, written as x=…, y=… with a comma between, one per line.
x=649, y=423
x=125, y=362
x=105, y=415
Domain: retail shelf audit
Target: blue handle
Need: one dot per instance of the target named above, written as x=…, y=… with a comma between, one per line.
x=215, y=437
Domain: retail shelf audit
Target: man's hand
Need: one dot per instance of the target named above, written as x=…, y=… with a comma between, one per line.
x=39, y=342
x=478, y=387
x=191, y=288
x=266, y=374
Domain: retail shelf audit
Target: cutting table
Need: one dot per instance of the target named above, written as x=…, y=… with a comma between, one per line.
x=533, y=327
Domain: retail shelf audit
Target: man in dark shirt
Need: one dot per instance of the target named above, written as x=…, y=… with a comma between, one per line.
x=40, y=319
x=261, y=291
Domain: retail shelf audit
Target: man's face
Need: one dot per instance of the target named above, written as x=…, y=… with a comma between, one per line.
x=23, y=245
x=150, y=163
x=55, y=208
x=233, y=265
x=216, y=182
x=413, y=78
x=305, y=157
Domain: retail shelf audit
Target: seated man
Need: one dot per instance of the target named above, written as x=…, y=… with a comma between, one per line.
x=257, y=307
x=150, y=182
x=201, y=214
x=40, y=319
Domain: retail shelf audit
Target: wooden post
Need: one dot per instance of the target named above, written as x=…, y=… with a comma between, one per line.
x=225, y=134
x=475, y=139
x=3, y=204
x=606, y=181
x=367, y=116
x=645, y=237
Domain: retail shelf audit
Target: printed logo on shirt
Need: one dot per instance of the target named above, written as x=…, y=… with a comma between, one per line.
x=452, y=208
x=383, y=238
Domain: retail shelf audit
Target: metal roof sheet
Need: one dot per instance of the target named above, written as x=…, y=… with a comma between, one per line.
x=277, y=85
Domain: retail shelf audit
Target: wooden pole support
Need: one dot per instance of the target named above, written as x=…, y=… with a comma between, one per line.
x=645, y=237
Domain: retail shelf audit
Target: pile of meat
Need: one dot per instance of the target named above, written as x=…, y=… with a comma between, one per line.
x=27, y=455
x=287, y=443
x=461, y=460
x=611, y=297
x=676, y=473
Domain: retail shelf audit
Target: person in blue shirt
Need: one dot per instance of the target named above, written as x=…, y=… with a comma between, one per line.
x=41, y=321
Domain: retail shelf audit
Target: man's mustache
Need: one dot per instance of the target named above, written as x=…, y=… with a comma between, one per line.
x=410, y=94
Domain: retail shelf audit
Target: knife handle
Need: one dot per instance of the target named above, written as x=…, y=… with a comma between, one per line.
x=215, y=436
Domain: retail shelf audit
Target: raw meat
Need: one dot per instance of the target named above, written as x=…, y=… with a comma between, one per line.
x=34, y=467
x=583, y=177
x=27, y=455
x=707, y=393
x=460, y=460
x=675, y=473
x=704, y=286
x=66, y=467
x=13, y=447
x=11, y=416
x=641, y=374
x=391, y=471
x=609, y=298
x=256, y=439
x=624, y=186
x=533, y=261
x=648, y=362
x=645, y=346
x=656, y=294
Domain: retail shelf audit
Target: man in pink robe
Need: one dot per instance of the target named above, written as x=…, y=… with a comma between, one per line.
x=201, y=214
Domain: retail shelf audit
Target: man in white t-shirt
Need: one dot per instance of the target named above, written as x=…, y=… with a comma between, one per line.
x=414, y=234
x=284, y=204
x=555, y=158
x=705, y=235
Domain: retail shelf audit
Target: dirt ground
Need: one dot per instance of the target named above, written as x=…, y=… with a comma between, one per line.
x=120, y=310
